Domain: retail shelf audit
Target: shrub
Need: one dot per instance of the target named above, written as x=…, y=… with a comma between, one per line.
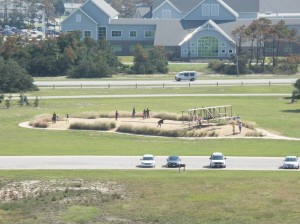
x=103, y=126
x=249, y=124
x=41, y=121
x=162, y=132
x=216, y=65
x=90, y=115
x=171, y=116
x=254, y=134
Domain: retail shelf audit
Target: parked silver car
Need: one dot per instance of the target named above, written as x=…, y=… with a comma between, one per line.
x=291, y=162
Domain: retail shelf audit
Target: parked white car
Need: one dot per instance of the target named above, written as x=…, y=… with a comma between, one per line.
x=217, y=159
x=148, y=160
x=291, y=162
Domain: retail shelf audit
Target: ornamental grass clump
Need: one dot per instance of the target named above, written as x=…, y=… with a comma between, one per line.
x=254, y=134
x=100, y=126
x=41, y=121
x=167, y=116
x=90, y=115
x=249, y=124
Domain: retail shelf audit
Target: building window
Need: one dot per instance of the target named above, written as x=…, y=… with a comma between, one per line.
x=206, y=10
x=132, y=33
x=87, y=33
x=78, y=18
x=230, y=51
x=116, y=47
x=208, y=46
x=149, y=34
x=166, y=14
x=102, y=32
x=116, y=33
x=223, y=51
x=215, y=9
x=287, y=49
x=223, y=44
x=70, y=31
x=185, y=51
x=192, y=51
x=193, y=44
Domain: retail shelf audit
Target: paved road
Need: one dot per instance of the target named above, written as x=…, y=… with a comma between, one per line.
x=157, y=95
x=145, y=83
x=130, y=162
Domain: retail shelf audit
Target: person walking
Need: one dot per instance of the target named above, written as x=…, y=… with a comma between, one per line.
x=133, y=112
x=67, y=118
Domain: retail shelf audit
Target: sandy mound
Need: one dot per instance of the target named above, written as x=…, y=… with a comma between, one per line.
x=220, y=130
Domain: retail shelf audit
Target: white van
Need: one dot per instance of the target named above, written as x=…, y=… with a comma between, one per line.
x=186, y=75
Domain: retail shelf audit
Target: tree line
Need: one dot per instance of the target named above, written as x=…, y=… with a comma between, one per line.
x=262, y=47
x=67, y=55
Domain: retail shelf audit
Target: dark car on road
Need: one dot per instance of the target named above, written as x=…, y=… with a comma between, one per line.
x=173, y=161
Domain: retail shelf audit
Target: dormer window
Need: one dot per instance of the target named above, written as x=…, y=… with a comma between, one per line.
x=166, y=14
x=210, y=10
x=206, y=10
x=215, y=9
x=78, y=18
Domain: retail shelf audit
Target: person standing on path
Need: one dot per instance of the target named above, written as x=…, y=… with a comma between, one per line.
x=240, y=126
x=67, y=118
x=133, y=112
x=116, y=115
x=147, y=113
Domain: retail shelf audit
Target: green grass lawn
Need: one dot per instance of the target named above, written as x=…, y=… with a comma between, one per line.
x=158, y=197
x=272, y=113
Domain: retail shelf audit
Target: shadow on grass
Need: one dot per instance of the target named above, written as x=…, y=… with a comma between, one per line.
x=291, y=111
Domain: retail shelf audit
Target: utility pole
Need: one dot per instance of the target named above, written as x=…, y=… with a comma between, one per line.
x=189, y=52
x=5, y=12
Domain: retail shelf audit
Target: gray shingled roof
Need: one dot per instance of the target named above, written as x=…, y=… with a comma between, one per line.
x=110, y=11
x=262, y=6
x=243, y=5
x=184, y=6
x=279, y=6
x=142, y=12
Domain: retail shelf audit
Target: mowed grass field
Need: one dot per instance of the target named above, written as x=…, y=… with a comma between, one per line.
x=153, y=196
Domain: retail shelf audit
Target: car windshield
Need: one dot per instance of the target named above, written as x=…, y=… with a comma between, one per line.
x=217, y=157
x=291, y=159
x=147, y=158
x=173, y=158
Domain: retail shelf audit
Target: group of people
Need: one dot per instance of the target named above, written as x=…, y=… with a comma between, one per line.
x=236, y=121
x=146, y=113
x=55, y=117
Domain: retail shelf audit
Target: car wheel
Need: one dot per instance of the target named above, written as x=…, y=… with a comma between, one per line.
x=178, y=80
x=192, y=79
